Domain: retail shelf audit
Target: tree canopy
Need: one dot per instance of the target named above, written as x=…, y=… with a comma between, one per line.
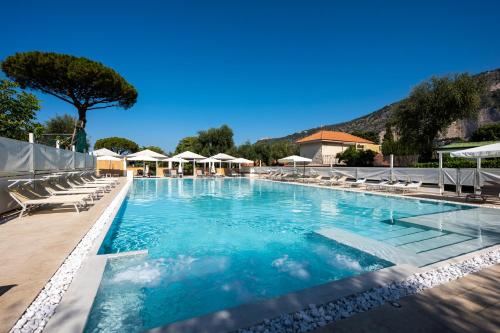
x=490, y=132
x=188, y=143
x=216, y=140
x=368, y=135
x=17, y=112
x=358, y=158
x=84, y=83
x=59, y=128
x=120, y=146
x=433, y=106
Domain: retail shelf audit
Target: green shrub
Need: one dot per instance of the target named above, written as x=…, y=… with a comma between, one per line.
x=358, y=158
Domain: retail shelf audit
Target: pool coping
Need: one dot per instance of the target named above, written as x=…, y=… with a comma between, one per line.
x=76, y=302
x=74, y=309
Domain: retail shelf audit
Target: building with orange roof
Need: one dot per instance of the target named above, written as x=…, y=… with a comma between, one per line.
x=323, y=146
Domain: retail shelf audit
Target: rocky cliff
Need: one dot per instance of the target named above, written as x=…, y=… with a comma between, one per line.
x=375, y=121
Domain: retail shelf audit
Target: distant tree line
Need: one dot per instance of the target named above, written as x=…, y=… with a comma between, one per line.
x=220, y=140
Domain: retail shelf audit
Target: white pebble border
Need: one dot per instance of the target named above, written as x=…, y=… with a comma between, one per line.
x=316, y=316
x=43, y=307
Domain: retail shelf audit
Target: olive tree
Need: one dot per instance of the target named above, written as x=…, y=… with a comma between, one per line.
x=433, y=106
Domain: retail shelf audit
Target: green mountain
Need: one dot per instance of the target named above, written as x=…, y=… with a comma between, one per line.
x=375, y=121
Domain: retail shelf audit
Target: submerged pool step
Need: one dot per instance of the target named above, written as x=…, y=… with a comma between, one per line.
x=397, y=233
x=415, y=237
x=434, y=243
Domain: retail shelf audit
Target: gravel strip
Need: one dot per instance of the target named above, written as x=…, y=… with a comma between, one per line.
x=316, y=316
x=43, y=307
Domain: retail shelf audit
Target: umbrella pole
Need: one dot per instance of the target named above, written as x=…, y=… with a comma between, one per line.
x=194, y=169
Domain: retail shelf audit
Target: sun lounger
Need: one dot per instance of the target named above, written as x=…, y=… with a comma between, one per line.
x=310, y=180
x=88, y=185
x=26, y=202
x=339, y=180
x=92, y=193
x=390, y=186
x=412, y=186
x=358, y=182
x=377, y=186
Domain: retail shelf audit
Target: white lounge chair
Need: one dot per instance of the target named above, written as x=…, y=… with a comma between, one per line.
x=377, y=186
x=412, y=186
x=91, y=193
x=358, y=182
x=26, y=202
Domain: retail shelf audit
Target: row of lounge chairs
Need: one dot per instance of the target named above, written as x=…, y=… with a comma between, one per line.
x=76, y=189
x=401, y=185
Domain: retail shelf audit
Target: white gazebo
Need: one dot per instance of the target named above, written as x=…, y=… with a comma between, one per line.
x=190, y=156
x=477, y=153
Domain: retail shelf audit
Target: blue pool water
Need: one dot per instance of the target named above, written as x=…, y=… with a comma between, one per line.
x=220, y=243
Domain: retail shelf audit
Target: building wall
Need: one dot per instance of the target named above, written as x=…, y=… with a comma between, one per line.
x=326, y=152
x=312, y=150
x=330, y=151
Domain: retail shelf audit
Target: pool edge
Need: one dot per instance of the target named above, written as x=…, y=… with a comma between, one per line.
x=72, y=311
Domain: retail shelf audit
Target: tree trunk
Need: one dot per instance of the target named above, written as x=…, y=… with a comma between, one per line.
x=82, y=116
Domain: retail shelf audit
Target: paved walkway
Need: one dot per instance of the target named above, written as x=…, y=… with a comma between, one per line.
x=470, y=304
x=33, y=248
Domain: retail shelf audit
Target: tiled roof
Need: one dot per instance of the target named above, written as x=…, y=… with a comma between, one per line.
x=333, y=136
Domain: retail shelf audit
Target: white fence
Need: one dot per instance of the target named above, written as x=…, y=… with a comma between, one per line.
x=457, y=177
x=20, y=159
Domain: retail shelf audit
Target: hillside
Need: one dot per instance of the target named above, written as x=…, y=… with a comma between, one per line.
x=375, y=121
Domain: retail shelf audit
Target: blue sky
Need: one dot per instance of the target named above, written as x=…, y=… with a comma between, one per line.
x=266, y=68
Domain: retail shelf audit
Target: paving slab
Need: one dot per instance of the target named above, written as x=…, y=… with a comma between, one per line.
x=469, y=304
x=34, y=247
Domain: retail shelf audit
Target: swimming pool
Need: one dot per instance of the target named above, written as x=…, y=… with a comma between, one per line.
x=220, y=243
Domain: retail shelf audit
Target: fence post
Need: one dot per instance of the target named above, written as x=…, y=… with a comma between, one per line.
x=74, y=156
x=440, y=174
x=31, y=140
x=391, y=174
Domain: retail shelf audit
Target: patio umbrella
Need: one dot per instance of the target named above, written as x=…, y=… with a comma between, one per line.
x=188, y=155
x=211, y=161
x=148, y=153
x=295, y=159
x=177, y=160
x=144, y=158
x=241, y=161
x=223, y=158
x=105, y=152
